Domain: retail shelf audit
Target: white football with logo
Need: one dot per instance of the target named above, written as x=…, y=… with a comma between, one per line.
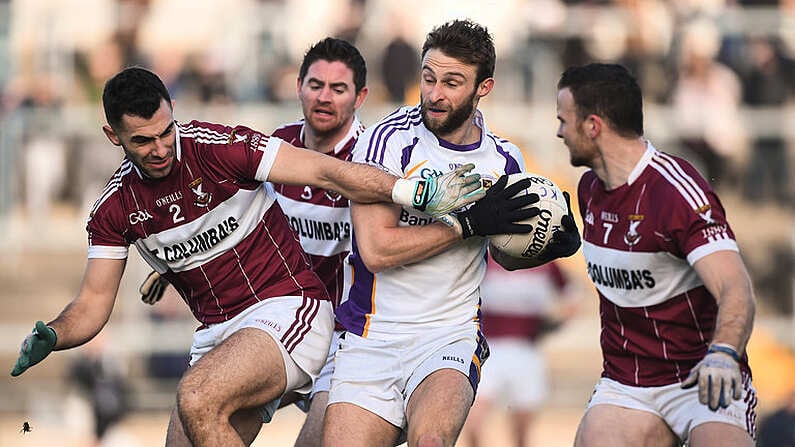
x=553, y=207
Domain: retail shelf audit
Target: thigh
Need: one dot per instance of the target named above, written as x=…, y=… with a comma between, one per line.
x=718, y=433
x=439, y=406
x=613, y=426
x=246, y=370
x=349, y=425
x=176, y=437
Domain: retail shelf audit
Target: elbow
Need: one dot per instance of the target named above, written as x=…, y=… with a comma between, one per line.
x=374, y=262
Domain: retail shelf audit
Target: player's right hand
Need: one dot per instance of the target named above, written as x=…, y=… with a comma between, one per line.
x=497, y=212
x=37, y=345
x=718, y=377
x=152, y=288
x=564, y=242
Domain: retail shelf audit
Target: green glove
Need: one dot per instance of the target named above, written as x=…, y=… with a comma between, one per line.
x=35, y=347
x=437, y=196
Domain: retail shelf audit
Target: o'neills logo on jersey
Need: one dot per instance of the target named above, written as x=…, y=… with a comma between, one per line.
x=170, y=198
x=201, y=242
x=322, y=231
x=202, y=198
x=632, y=237
x=621, y=278
x=540, y=231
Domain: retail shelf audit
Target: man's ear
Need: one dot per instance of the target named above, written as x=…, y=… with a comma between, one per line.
x=485, y=87
x=594, y=125
x=111, y=134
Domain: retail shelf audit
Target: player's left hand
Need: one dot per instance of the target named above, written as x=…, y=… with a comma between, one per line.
x=564, y=242
x=36, y=346
x=152, y=288
x=718, y=377
x=437, y=196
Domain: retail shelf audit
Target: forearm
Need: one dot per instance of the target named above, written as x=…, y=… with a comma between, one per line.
x=383, y=244
x=407, y=245
x=76, y=325
x=735, y=318
x=358, y=182
x=87, y=314
x=726, y=278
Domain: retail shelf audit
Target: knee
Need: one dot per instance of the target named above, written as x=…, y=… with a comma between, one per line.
x=430, y=441
x=192, y=403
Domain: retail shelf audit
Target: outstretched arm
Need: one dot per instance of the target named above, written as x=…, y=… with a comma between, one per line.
x=367, y=184
x=80, y=320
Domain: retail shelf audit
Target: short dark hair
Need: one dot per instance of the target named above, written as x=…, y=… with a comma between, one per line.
x=466, y=41
x=133, y=91
x=607, y=90
x=332, y=49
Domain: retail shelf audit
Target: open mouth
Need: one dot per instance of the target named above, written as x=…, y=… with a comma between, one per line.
x=159, y=164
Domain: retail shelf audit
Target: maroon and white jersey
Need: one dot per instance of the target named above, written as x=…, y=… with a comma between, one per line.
x=640, y=242
x=514, y=303
x=212, y=227
x=321, y=218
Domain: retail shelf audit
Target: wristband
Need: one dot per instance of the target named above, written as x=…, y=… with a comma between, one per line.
x=726, y=349
x=403, y=192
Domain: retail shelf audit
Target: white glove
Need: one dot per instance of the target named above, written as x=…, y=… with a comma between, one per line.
x=718, y=377
x=437, y=196
x=152, y=288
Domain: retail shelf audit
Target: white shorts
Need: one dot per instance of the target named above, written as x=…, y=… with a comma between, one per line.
x=679, y=408
x=302, y=328
x=381, y=375
x=323, y=381
x=516, y=374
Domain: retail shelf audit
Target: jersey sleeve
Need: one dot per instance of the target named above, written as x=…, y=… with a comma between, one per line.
x=240, y=152
x=106, y=229
x=697, y=221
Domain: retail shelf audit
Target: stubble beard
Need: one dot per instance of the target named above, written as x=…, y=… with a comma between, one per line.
x=456, y=118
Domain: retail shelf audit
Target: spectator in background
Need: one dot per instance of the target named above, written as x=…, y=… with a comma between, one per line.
x=100, y=379
x=706, y=101
x=399, y=67
x=518, y=308
x=766, y=85
x=778, y=429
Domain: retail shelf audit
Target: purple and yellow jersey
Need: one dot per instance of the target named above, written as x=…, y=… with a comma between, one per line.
x=442, y=290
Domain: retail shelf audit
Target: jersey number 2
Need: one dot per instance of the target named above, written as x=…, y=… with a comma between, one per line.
x=174, y=208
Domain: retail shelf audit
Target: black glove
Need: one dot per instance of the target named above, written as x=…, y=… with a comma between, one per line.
x=498, y=211
x=564, y=242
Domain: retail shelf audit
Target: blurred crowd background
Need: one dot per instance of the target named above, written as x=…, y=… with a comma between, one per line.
x=719, y=84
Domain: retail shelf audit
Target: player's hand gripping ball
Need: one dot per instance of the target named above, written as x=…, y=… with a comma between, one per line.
x=552, y=208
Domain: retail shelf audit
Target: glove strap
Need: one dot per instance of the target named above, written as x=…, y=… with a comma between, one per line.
x=410, y=193
x=726, y=349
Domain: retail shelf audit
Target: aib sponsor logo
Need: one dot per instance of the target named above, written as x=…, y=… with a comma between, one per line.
x=414, y=220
